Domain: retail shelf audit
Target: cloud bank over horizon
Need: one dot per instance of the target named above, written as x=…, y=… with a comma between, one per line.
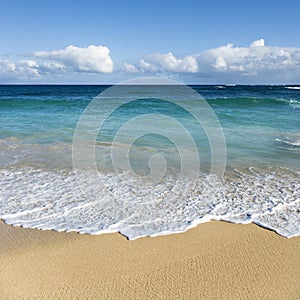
x=256, y=63
x=90, y=60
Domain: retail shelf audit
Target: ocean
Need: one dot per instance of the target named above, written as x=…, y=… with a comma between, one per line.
x=149, y=160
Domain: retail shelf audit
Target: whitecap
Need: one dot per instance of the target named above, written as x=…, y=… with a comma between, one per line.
x=292, y=87
x=295, y=143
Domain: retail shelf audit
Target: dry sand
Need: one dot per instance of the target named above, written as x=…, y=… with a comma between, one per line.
x=216, y=260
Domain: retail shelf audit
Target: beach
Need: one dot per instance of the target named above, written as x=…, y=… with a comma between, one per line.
x=101, y=209
x=215, y=260
x=149, y=150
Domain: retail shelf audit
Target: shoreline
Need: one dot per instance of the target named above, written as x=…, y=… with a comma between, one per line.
x=212, y=260
x=159, y=234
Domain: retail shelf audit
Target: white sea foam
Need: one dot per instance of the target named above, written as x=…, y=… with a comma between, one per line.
x=292, y=87
x=294, y=103
x=53, y=200
x=295, y=143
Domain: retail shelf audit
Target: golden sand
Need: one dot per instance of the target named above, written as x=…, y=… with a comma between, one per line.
x=216, y=260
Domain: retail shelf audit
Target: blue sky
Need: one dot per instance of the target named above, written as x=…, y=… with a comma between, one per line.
x=138, y=30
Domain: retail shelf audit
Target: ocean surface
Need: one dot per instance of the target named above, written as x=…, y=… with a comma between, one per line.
x=133, y=171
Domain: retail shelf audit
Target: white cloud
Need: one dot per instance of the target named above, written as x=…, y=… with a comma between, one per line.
x=237, y=62
x=92, y=59
x=71, y=60
x=257, y=63
x=130, y=68
x=220, y=63
x=169, y=63
x=258, y=43
x=146, y=66
x=249, y=61
x=20, y=69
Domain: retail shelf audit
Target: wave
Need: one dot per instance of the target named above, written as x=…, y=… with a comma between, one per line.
x=53, y=200
x=250, y=100
x=295, y=143
x=292, y=87
x=295, y=104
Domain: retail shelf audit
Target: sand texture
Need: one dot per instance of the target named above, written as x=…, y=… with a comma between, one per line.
x=216, y=260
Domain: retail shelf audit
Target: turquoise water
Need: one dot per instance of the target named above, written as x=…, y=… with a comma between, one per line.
x=260, y=123
x=261, y=126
